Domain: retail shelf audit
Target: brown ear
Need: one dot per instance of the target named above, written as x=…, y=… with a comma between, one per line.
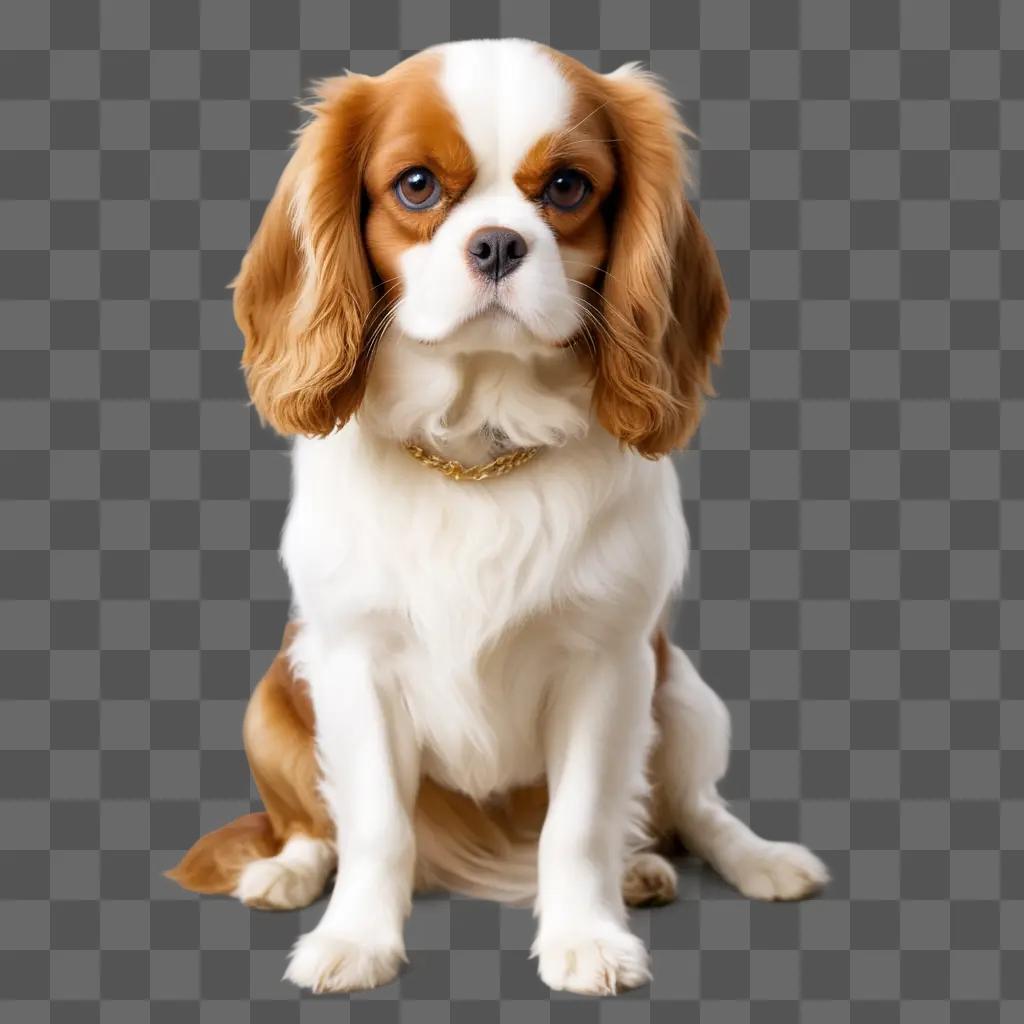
x=665, y=302
x=304, y=290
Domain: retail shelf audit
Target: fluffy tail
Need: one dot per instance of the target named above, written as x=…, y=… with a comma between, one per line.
x=490, y=853
x=216, y=860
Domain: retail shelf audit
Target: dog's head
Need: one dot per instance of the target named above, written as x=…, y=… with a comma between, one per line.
x=486, y=195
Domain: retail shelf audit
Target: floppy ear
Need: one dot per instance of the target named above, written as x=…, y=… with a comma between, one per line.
x=665, y=302
x=304, y=290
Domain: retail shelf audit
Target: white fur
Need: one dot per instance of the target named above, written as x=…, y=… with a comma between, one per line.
x=689, y=761
x=493, y=634
x=505, y=94
x=487, y=635
x=294, y=878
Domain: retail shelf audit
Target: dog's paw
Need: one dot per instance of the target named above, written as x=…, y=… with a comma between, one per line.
x=602, y=965
x=779, y=871
x=327, y=962
x=270, y=884
x=649, y=878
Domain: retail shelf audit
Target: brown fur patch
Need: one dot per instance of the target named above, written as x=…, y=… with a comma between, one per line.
x=215, y=861
x=416, y=128
x=584, y=145
x=662, y=647
x=307, y=297
x=664, y=302
x=278, y=736
x=305, y=289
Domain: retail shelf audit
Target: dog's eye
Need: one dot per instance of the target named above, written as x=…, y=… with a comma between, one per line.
x=566, y=190
x=418, y=189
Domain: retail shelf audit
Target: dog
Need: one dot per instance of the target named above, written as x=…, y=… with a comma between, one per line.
x=481, y=304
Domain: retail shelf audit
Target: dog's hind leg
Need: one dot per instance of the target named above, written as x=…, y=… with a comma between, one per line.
x=279, y=742
x=649, y=880
x=690, y=758
x=279, y=858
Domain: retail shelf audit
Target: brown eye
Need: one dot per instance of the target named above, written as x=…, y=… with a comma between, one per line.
x=566, y=190
x=418, y=189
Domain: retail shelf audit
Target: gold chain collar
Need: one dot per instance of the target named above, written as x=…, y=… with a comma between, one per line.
x=455, y=470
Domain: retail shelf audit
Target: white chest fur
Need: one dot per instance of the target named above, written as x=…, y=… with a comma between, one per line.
x=475, y=594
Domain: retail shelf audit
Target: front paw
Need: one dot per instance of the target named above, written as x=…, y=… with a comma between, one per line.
x=328, y=962
x=599, y=963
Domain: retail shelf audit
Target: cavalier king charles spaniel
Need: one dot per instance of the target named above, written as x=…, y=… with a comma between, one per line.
x=481, y=304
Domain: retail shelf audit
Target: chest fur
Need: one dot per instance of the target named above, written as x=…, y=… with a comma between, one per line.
x=482, y=591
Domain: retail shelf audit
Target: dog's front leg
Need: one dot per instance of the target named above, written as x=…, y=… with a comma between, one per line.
x=596, y=735
x=370, y=765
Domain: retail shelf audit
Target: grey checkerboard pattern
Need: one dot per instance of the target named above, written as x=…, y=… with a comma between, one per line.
x=856, y=497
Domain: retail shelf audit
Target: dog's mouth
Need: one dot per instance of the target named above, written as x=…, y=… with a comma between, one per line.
x=498, y=311
x=507, y=321
x=498, y=322
x=500, y=318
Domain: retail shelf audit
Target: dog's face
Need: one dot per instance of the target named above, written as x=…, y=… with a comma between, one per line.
x=486, y=190
x=485, y=195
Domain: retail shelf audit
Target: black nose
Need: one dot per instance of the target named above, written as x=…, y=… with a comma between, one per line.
x=496, y=252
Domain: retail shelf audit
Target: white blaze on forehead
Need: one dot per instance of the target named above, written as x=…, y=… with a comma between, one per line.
x=506, y=94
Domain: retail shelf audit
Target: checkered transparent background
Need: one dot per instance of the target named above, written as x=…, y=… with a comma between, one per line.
x=856, y=497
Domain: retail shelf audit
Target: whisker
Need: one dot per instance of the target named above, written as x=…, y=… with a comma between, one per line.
x=384, y=295
x=605, y=305
x=379, y=331
x=582, y=142
x=585, y=333
x=590, y=266
x=379, y=325
x=567, y=131
x=592, y=318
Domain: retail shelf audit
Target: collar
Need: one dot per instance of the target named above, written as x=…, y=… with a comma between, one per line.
x=455, y=470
